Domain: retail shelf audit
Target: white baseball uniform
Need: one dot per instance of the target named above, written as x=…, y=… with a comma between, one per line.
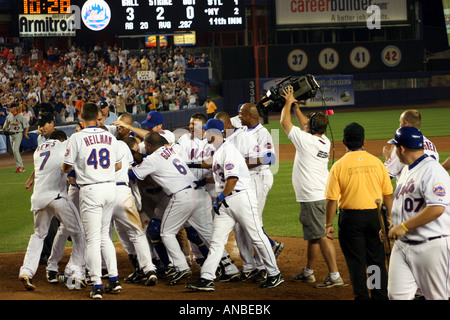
x=248, y=146
x=240, y=206
x=420, y=258
x=394, y=166
x=195, y=150
x=93, y=153
x=126, y=217
x=50, y=199
x=266, y=146
x=170, y=171
x=168, y=135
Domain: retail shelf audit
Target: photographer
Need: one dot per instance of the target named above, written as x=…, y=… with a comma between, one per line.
x=309, y=178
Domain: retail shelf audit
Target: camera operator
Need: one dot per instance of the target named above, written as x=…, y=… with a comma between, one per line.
x=309, y=178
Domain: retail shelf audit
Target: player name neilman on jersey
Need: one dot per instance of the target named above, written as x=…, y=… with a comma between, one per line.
x=227, y=309
x=97, y=139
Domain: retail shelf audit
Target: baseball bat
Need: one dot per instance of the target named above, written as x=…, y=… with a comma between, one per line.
x=384, y=228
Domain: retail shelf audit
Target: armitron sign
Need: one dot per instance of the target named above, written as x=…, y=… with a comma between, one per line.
x=46, y=25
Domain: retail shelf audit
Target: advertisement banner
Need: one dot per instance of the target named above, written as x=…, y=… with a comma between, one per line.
x=337, y=12
x=47, y=25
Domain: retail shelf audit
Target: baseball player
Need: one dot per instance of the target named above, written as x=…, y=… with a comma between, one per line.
x=46, y=126
x=409, y=118
x=169, y=170
x=154, y=202
x=249, y=117
x=195, y=149
x=127, y=221
x=50, y=199
x=154, y=123
x=235, y=121
x=17, y=126
x=247, y=145
x=236, y=203
x=94, y=155
x=421, y=223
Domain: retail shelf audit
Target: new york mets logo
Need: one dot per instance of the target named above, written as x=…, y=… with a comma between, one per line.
x=439, y=190
x=404, y=189
x=229, y=166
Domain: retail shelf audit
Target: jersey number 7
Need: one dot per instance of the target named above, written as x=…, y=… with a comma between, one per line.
x=46, y=155
x=99, y=159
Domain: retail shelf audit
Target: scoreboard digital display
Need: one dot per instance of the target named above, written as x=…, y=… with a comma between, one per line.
x=138, y=17
x=44, y=6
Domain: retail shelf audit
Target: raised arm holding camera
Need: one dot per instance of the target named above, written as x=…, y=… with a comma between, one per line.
x=309, y=178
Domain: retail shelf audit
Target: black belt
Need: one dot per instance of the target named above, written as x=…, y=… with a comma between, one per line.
x=357, y=210
x=415, y=242
x=188, y=187
x=153, y=191
x=234, y=192
x=89, y=184
x=121, y=184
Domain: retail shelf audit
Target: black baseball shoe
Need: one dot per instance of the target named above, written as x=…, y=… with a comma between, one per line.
x=248, y=275
x=229, y=277
x=201, y=285
x=150, y=278
x=27, y=282
x=113, y=287
x=277, y=248
x=261, y=276
x=166, y=272
x=179, y=276
x=52, y=277
x=273, y=281
x=96, y=293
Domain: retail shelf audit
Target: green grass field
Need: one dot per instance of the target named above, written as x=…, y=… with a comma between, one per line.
x=281, y=215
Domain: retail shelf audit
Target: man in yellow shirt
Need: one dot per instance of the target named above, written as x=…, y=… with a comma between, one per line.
x=354, y=183
x=210, y=108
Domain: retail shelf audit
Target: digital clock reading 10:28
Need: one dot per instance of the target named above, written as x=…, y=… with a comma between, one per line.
x=45, y=6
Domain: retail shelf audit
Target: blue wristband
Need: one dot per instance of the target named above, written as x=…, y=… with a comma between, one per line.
x=221, y=197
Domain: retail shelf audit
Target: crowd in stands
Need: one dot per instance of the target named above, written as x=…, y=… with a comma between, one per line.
x=63, y=81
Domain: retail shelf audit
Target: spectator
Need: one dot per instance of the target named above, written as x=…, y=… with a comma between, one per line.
x=192, y=100
x=109, y=116
x=60, y=109
x=210, y=108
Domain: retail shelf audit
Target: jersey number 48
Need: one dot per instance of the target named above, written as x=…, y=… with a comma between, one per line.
x=99, y=159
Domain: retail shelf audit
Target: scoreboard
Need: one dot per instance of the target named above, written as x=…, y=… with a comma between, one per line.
x=134, y=17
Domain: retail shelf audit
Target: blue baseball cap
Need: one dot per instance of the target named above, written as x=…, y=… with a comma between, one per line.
x=214, y=124
x=154, y=118
x=408, y=137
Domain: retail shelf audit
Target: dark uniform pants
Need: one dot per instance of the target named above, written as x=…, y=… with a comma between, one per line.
x=362, y=248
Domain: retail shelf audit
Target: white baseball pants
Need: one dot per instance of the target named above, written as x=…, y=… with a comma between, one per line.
x=242, y=209
x=65, y=211
x=96, y=206
x=421, y=266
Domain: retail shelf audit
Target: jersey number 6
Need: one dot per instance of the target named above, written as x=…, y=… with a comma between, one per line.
x=101, y=159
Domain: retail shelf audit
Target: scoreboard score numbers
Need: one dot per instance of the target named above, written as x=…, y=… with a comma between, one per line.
x=136, y=17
